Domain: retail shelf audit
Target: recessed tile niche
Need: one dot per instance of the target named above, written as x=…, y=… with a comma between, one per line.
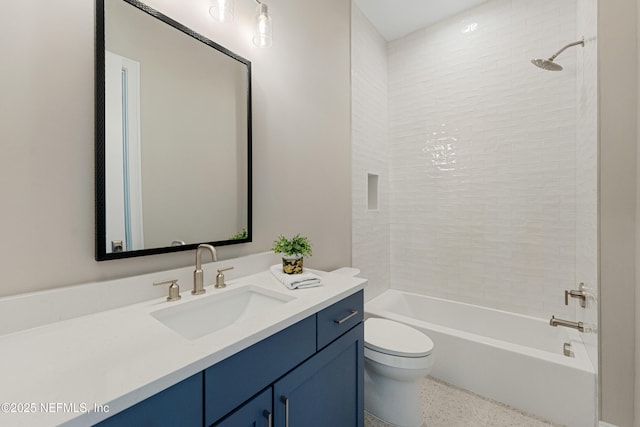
x=372, y=191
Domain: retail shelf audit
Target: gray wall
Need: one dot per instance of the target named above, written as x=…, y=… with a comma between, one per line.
x=301, y=107
x=618, y=78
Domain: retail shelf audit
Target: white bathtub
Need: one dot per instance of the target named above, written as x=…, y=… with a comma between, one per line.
x=514, y=359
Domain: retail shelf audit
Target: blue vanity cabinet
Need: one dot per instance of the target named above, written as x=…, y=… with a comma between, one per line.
x=323, y=389
x=258, y=412
x=310, y=374
x=179, y=405
x=326, y=390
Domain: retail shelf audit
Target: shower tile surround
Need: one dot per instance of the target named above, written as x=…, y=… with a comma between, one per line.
x=481, y=154
x=370, y=154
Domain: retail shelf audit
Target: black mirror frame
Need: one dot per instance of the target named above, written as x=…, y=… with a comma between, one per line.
x=100, y=205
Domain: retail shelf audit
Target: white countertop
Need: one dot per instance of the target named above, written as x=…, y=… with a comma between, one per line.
x=56, y=374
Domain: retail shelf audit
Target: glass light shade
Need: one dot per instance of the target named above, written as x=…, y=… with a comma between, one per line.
x=222, y=10
x=263, y=36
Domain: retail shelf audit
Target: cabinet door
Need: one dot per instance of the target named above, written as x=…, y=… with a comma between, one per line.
x=231, y=382
x=326, y=390
x=255, y=413
x=178, y=406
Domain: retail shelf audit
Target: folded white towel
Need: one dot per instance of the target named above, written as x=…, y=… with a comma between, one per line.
x=296, y=281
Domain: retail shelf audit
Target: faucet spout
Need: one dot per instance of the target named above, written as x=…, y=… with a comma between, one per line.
x=566, y=323
x=198, y=274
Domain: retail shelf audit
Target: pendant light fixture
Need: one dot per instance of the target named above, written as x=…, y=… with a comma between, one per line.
x=222, y=10
x=263, y=36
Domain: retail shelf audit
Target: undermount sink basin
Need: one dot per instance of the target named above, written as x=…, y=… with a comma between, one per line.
x=211, y=313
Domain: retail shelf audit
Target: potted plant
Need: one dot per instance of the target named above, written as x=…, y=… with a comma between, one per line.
x=293, y=250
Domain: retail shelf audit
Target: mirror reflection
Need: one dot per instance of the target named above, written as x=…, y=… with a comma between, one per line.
x=175, y=138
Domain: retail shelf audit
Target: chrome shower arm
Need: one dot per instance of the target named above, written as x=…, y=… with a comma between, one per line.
x=579, y=42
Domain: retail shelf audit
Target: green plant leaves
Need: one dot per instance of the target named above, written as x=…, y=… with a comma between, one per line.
x=297, y=245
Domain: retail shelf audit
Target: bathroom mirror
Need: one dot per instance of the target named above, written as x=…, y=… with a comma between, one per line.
x=173, y=136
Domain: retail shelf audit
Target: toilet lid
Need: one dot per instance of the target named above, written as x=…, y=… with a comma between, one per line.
x=396, y=339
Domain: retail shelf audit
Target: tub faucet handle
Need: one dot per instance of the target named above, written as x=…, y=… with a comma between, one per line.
x=581, y=294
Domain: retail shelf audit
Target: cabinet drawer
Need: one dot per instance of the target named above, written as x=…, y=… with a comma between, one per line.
x=234, y=380
x=337, y=319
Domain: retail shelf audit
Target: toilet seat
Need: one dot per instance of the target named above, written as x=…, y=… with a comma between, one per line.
x=395, y=339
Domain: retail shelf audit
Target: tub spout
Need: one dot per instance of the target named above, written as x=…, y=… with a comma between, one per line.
x=566, y=323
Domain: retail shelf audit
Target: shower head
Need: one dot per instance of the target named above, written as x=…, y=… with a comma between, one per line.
x=548, y=64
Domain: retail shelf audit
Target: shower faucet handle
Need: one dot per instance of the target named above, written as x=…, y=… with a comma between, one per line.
x=581, y=294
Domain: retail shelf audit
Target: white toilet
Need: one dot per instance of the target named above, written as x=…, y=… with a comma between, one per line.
x=396, y=357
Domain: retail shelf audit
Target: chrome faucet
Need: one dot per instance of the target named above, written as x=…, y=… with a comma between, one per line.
x=566, y=323
x=198, y=274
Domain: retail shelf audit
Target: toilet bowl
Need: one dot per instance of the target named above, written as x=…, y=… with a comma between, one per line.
x=396, y=357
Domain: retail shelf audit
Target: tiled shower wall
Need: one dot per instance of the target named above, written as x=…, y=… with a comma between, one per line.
x=483, y=184
x=493, y=169
x=370, y=153
x=483, y=157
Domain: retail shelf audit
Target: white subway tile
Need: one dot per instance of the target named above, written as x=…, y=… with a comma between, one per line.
x=477, y=149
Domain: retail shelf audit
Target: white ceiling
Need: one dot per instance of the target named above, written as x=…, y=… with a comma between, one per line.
x=397, y=18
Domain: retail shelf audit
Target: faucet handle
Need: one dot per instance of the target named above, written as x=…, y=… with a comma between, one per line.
x=174, y=289
x=220, y=277
x=581, y=294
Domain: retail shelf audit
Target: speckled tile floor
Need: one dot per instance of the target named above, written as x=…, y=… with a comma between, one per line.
x=449, y=406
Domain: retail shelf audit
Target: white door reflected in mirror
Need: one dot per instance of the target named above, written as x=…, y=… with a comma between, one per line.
x=123, y=174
